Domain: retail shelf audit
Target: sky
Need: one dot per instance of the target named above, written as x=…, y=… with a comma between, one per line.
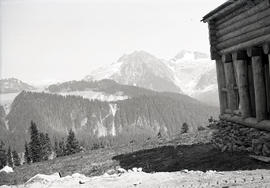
x=47, y=41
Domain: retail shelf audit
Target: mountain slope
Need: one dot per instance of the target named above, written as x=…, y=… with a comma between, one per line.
x=13, y=85
x=137, y=118
x=139, y=69
x=182, y=74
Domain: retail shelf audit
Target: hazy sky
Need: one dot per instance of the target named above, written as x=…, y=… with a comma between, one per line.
x=57, y=40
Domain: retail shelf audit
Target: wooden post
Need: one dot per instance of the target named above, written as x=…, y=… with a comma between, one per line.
x=230, y=82
x=240, y=61
x=266, y=49
x=251, y=88
x=259, y=84
x=221, y=84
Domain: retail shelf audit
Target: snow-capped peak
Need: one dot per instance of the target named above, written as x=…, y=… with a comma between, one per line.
x=186, y=55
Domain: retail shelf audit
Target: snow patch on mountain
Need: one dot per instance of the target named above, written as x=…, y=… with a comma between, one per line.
x=188, y=69
x=92, y=95
x=138, y=69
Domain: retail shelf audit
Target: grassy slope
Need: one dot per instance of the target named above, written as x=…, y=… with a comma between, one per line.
x=156, y=155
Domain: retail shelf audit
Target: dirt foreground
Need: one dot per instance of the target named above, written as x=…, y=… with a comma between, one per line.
x=134, y=178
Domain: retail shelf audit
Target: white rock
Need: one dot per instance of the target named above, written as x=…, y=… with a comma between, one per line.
x=77, y=175
x=7, y=169
x=121, y=170
x=135, y=169
x=43, y=179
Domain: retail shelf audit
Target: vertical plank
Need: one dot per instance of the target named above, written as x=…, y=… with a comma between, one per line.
x=266, y=49
x=240, y=62
x=259, y=83
x=221, y=84
x=251, y=89
x=230, y=83
x=267, y=84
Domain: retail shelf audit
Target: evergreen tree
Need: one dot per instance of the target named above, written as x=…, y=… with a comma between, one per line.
x=42, y=140
x=3, y=156
x=56, y=148
x=48, y=145
x=184, y=128
x=62, y=148
x=16, y=158
x=72, y=145
x=9, y=157
x=35, y=145
x=27, y=157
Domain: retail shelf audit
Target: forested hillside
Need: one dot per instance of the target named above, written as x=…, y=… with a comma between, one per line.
x=94, y=121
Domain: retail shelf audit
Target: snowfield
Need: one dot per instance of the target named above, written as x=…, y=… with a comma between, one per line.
x=137, y=178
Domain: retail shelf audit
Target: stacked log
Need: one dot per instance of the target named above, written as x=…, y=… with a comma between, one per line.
x=234, y=137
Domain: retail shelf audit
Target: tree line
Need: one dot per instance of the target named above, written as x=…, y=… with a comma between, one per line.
x=39, y=148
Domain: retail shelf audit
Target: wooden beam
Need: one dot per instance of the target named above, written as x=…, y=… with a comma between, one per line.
x=243, y=37
x=253, y=42
x=221, y=84
x=246, y=21
x=249, y=122
x=231, y=8
x=230, y=82
x=251, y=11
x=259, y=83
x=240, y=59
x=246, y=29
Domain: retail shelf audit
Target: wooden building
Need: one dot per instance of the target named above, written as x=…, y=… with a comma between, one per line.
x=239, y=34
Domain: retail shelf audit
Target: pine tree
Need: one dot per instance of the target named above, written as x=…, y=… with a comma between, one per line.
x=184, y=128
x=34, y=145
x=16, y=158
x=72, y=145
x=9, y=157
x=62, y=148
x=3, y=156
x=42, y=140
x=27, y=157
x=48, y=145
x=56, y=148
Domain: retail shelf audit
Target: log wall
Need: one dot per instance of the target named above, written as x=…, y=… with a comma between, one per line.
x=246, y=26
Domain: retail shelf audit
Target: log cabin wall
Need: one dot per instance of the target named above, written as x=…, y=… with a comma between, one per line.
x=239, y=34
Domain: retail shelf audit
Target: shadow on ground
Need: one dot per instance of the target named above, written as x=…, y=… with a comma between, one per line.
x=201, y=157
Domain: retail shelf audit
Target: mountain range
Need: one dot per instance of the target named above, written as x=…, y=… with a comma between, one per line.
x=190, y=73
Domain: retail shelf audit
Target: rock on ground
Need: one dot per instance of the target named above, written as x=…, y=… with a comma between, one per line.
x=6, y=169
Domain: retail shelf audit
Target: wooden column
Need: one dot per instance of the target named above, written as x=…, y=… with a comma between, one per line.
x=240, y=61
x=266, y=49
x=259, y=84
x=230, y=82
x=251, y=88
x=221, y=84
